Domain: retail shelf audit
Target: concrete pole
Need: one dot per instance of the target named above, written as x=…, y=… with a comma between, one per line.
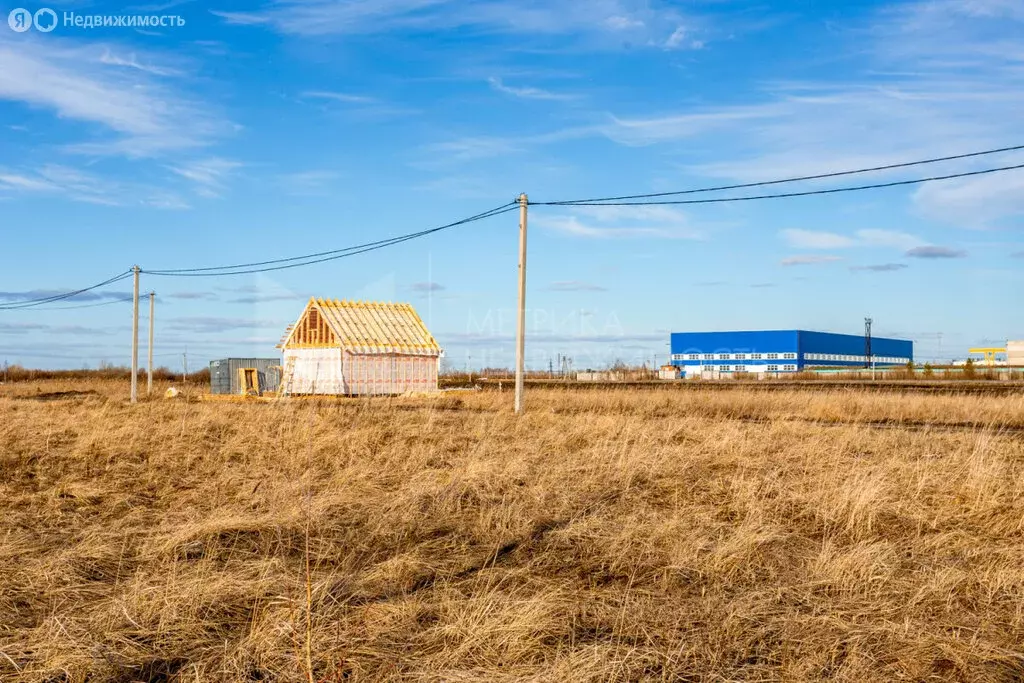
x=135, y=335
x=521, y=320
x=149, y=366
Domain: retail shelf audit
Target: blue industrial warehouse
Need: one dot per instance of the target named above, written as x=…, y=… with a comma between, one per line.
x=777, y=351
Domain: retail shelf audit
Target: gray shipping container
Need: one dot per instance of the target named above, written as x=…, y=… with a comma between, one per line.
x=224, y=374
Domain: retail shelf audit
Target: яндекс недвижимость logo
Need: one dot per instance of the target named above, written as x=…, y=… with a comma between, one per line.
x=21, y=20
x=45, y=20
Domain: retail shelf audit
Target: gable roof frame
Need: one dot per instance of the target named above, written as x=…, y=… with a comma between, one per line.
x=371, y=327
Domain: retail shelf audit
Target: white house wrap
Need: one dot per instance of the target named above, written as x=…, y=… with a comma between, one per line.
x=358, y=348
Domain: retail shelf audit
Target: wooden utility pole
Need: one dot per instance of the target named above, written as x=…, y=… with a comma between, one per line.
x=149, y=366
x=521, y=322
x=135, y=335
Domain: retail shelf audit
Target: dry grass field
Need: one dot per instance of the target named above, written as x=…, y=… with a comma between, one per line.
x=604, y=536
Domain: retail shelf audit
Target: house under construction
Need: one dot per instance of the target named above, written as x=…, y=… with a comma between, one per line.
x=358, y=348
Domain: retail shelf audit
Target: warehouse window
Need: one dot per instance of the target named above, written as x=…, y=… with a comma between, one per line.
x=709, y=356
x=790, y=368
x=741, y=356
x=694, y=356
x=789, y=356
x=725, y=368
x=755, y=356
x=773, y=356
x=723, y=356
x=739, y=368
x=773, y=368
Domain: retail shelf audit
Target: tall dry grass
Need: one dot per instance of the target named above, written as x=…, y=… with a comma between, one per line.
x=602, y=536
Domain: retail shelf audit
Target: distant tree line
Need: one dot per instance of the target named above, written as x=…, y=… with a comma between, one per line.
x=18, y=373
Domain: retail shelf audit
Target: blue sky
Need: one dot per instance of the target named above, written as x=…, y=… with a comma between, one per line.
x=265, y=130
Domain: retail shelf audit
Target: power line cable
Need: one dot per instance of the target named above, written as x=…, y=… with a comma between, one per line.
x=71, y=308
x=806, y=193
x=373, y=247
x=835, y=174
x=32, y=303
x=240, y=269
x=320, y=257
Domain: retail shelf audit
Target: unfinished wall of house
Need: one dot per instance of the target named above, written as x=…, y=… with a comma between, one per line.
x=381, y=374
x=316, y=371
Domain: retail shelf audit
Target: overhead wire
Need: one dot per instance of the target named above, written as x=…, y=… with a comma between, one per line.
x=32, y=303
x=783, y=195
x=819, y=176
x=320, y=257
x=621, y=200
x=71, y=308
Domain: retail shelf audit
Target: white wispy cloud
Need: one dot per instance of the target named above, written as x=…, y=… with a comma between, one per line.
x=621, y=221
x=473, y=148
x=16, y=181
x=978, y=202
x=133, y=111
x=308, y=183
x=79, y=185
x=808, y=259
x=939, y=77
x=930, y=72
x=571, y=225
x=640, y=23
x=355, y=106
x=674, y=127
x=528, y=93
x=208, y=175
x=243, y=18
x=872, y=237
x=682, y=39
x=132, y=61
x=810, y=239
x=348, y=98
x=620, y=23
